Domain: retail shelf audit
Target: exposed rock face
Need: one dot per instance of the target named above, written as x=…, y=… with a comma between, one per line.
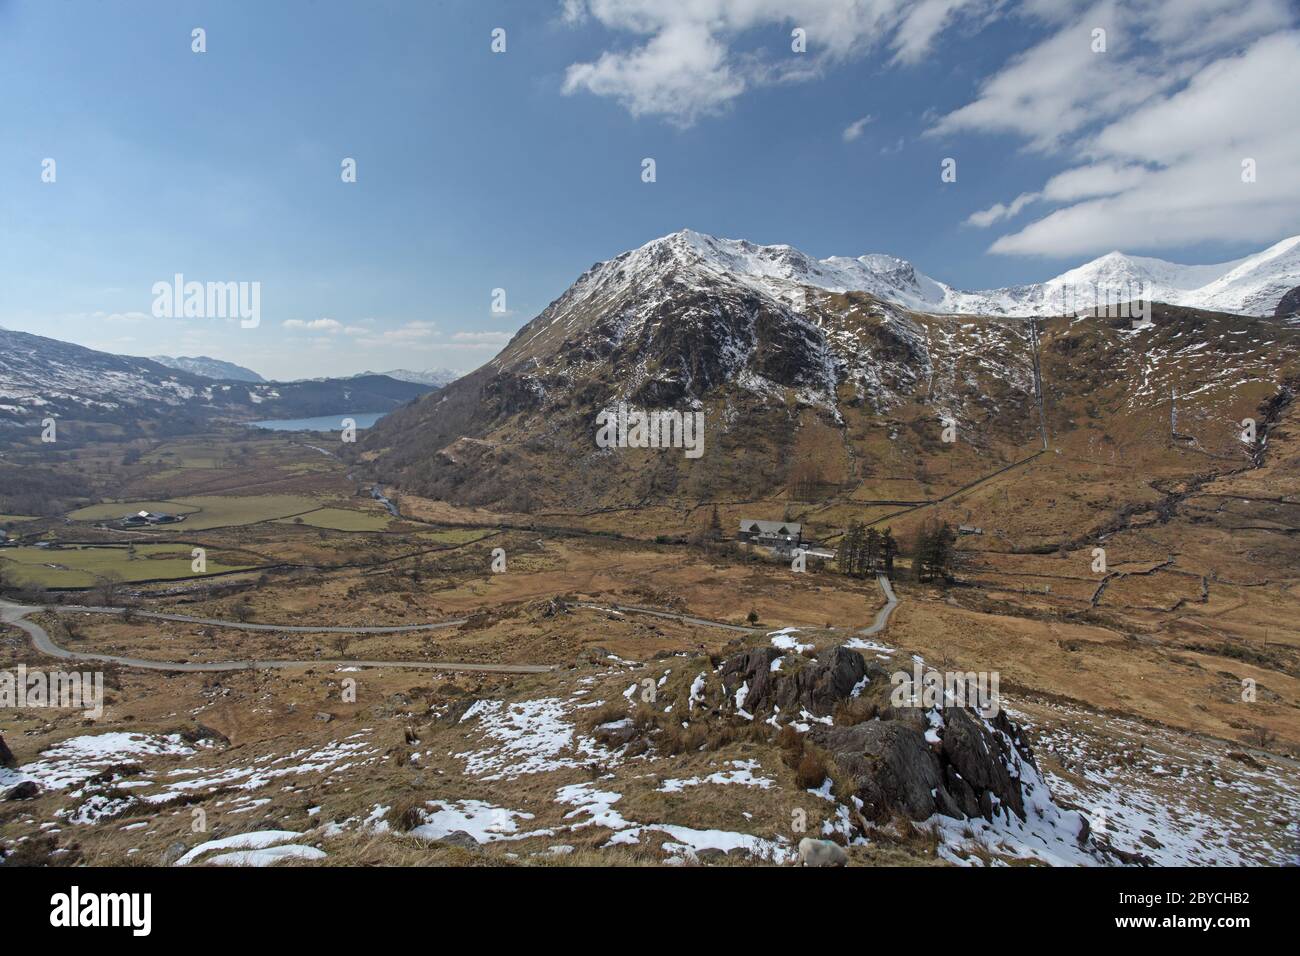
x=978, y=766
x=6, y=755
x=816, y=686
x=892, y=768
x=913, y=760
x=1289, y=305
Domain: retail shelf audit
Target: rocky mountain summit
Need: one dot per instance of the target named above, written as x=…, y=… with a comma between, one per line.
x=794, y=360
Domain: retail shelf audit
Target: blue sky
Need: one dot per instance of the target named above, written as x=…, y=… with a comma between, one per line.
x=519, y=170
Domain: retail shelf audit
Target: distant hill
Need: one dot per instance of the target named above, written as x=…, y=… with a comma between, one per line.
x=93, y=393
x=209, y=367
x=436, y=377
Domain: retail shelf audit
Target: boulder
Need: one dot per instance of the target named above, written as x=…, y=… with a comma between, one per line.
x=7, y=758
x=459, y=838
x=981, y=758
x=27, y=790
x=200, y=734
x=821, y=853
x=173, y=853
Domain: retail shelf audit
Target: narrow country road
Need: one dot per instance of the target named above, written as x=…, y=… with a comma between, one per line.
x=671, y=615
x=249, y=626
x=882, y=616
x=16, y=614
x=881, y=621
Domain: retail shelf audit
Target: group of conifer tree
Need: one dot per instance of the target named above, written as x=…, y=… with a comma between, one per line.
x=934, y=555
x=865, y=551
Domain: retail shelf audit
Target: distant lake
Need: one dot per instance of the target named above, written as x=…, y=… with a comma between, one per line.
x=325, y=423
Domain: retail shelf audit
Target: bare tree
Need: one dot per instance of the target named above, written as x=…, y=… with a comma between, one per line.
x=108, y=587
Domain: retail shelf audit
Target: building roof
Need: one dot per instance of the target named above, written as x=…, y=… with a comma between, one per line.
x=755, y=526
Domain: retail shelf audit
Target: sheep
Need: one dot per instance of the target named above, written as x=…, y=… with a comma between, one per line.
x=821, y=853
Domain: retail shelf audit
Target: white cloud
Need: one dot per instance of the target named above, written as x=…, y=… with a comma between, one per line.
x=854, y=129
x=924, y=20
x=409, y=335
x=1158, y=126
x=315, y=325
x=484, y=338
x=685, y=65
x=1082, y=182
x=102, y=316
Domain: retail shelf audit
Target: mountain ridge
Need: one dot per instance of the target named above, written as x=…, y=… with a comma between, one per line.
x=794, y=376
x=209, y=367
x=1250, y=285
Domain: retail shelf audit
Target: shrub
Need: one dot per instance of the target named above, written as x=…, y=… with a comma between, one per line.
x=811, y=769
x=406, y=814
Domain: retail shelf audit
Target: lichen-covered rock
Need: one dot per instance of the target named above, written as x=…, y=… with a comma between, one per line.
x=813, y=685
x=978, y=767
x=913, y=760
x=890, y=765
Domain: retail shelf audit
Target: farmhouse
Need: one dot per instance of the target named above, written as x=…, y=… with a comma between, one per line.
x=771, y=534
x=148, y=517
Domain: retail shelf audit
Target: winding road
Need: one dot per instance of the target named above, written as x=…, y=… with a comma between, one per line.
x=17, y=615
x=881, y=621
x=883, y=615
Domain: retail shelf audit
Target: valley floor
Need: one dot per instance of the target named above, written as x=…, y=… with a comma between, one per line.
x=624, y=749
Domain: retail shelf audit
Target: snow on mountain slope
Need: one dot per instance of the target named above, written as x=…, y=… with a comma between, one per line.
x=1252, y=285
x=436, y=377
x=1256, y=284
x=208, y=367
x=42, y=377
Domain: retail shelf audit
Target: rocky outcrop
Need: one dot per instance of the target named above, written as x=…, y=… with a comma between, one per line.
x=813, y=685
x=976, y=768
x=912, y=760
x=7, y=758
x=1289, y=304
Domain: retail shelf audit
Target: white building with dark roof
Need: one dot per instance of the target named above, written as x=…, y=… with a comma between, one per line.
x=771, y=534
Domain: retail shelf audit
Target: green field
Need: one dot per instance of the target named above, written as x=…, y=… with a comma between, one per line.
x=207, y=511
x=112, y=510
x=343, y=519
x=74, y=567
x=5, y=519
x=191, y=455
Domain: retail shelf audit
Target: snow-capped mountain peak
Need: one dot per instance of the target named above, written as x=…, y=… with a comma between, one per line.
x=1252, y=285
